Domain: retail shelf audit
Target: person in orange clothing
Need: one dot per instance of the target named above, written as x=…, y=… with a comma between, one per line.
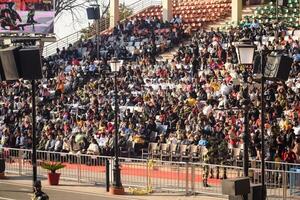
x=60, y=87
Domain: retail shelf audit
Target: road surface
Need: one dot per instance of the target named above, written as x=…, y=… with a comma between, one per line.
x=10, y=191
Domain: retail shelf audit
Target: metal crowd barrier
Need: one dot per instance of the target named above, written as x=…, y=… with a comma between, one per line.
x=156, y=175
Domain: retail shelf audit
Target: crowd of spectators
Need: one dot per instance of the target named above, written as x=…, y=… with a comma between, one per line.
x=196, y=98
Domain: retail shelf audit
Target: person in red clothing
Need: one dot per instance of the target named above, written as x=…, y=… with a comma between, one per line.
x=289, y=156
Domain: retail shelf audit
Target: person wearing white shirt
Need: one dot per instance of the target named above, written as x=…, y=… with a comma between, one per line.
x=58, y=144
x=101, y=140
x=93, y=148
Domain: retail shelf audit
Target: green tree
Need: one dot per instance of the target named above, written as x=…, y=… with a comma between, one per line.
x=125, y=11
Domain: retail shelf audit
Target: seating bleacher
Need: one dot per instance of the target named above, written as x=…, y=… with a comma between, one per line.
x=179, y=152
x=194, y=13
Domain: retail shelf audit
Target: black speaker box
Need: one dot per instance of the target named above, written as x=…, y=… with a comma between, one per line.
x=2, y=165
x=256, y=190
x=278, y=67
x=93, y=13
x=10, y=63
x=237, y=186
x=31, y=63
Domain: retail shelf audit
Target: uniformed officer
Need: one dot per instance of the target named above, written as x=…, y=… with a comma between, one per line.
x=223, y=155
x=210, y=158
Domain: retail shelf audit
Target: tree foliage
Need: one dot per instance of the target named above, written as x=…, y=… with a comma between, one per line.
x=77, y=6
x=125, y=11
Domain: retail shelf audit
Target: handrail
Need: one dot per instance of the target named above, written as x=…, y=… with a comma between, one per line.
x=140, y=5
x=50, y=49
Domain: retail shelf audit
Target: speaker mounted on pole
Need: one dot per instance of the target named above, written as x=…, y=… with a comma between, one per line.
x=10, y=63
x=278, y=67
x=17, y=62
x=93, y=13
x=31, y=63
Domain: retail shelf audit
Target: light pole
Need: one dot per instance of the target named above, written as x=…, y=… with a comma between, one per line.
x=97, y=29
x=262, y=126
x=34, y=165
x=245, y=52
x=117, y=187
x=277, y=11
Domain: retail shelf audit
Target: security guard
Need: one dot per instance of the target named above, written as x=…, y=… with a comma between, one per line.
x=223, y=155
x=210, y=158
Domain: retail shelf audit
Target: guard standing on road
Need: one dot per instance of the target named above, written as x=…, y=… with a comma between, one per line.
x=223, y=155
x=209, y=158
x=38, y=193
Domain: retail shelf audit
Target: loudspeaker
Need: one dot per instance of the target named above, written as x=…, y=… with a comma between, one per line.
x=2, y=165
x=278, y=67
x=237, y=186
x=93, y=13
x=30, y=63
x=256, y=190
x=10, y=63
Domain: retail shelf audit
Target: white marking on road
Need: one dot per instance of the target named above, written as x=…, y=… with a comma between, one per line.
x=3, y=198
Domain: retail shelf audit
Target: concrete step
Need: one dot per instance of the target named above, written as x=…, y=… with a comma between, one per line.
x=248, y=10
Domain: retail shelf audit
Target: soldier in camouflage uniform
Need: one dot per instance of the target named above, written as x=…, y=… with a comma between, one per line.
x=222, y=158
x=217, y=154
x=209, y=158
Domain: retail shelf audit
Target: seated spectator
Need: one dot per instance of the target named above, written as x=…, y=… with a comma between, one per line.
x=93, y=148
x=74, y=146
x=50, y=144
x=42, y=143
x=66, y=146
x=58, y=144
x=203, y=142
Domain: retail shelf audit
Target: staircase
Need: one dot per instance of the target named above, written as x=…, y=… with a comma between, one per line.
x=247, y=10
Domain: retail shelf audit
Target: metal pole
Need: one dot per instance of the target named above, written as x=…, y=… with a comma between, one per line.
x=97, y=37
x=246, y=139
x=299, y=13
x=107, y=174
x=262, y=128
x=277, y=10
x=97, y=34
x=34, y=167
x=117, y=178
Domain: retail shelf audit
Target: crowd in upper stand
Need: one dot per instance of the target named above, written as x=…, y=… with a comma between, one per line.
x=196, y=98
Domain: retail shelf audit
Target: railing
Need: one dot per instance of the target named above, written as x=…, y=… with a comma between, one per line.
x=50, y=49
x=159, y=176
x=141, y=5
x=272, y=165
x=137, y=7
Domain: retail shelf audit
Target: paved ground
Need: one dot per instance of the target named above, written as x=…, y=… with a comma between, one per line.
x=17, y=192
x=19, y=188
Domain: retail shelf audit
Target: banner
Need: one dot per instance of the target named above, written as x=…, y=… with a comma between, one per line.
x=27, y=16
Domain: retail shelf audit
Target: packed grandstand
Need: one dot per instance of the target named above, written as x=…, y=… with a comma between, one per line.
x=180, y=108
